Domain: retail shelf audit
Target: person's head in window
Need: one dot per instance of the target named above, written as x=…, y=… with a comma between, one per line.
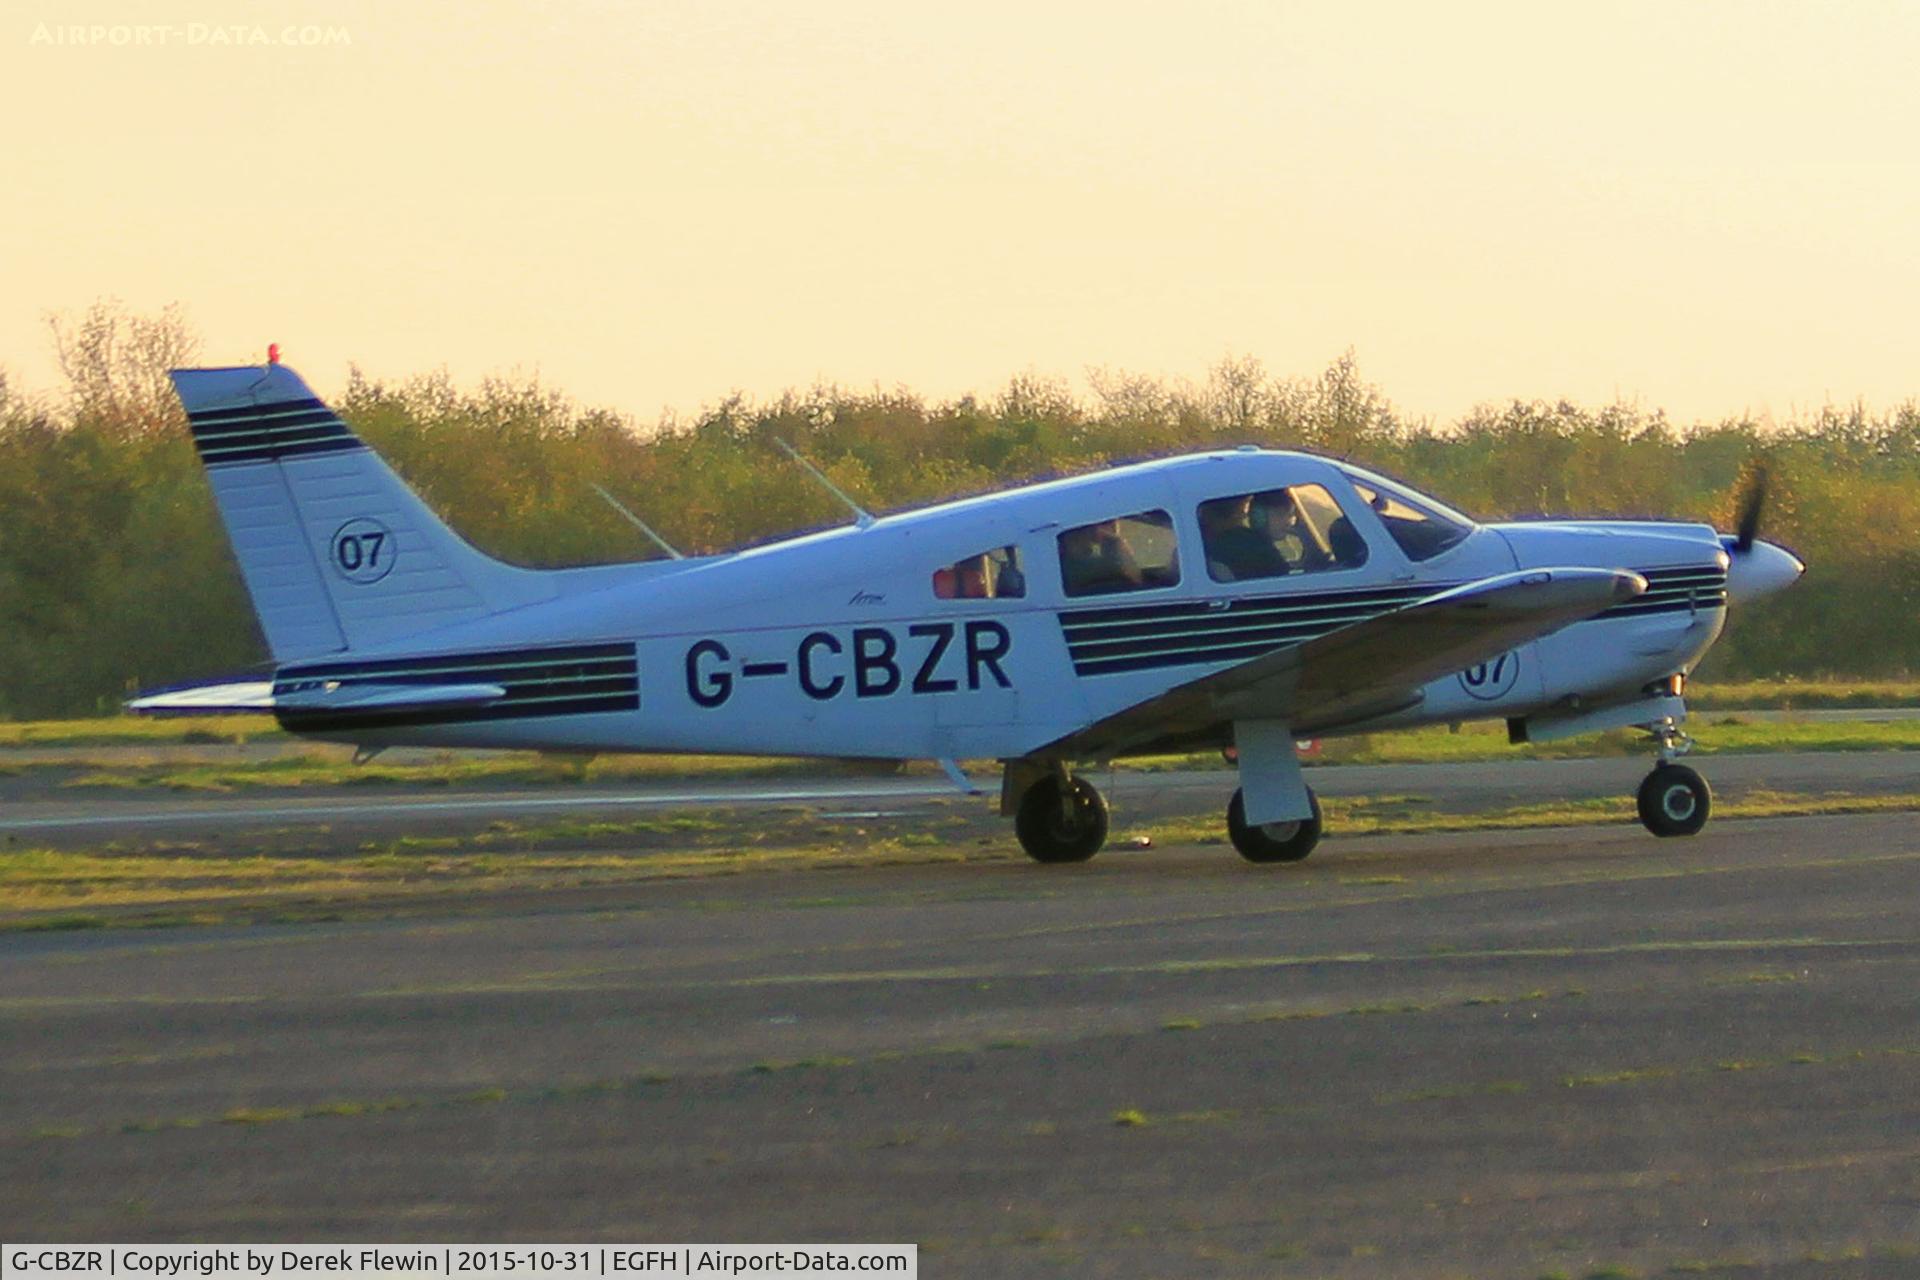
x=1237, y=543
x=990, y=575
x=971, y=578
x=1080, y=544
x=1096, y=558
x=1226, y=513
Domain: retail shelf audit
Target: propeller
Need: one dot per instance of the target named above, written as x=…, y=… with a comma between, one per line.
x=1752, y=503
x=1756, y=568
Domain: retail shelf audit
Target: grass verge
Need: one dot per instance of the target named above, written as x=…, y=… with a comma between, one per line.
x=1437, y=745
x=116, y=731
x=44, y=889
x=1414, y=815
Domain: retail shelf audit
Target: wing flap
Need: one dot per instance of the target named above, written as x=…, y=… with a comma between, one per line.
x=1369, y=668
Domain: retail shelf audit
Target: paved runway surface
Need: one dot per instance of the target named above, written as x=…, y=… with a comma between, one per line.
x=1491, y=1055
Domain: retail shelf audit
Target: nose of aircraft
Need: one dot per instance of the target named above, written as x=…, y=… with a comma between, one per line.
x=1760, y=569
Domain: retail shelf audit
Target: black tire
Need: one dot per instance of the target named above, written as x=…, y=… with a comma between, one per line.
x=1674, y=801
x=1051, y=832
x=1275, y=842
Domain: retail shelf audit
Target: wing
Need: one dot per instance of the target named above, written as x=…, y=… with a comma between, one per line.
x=1364, y=670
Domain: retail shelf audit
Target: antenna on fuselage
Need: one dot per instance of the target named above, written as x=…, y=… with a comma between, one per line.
x=861, y=516
x=638, y=523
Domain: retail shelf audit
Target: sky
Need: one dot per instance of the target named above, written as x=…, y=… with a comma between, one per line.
x=1710, y=208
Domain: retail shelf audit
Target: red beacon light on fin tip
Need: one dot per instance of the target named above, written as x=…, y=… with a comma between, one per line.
x=273, y=353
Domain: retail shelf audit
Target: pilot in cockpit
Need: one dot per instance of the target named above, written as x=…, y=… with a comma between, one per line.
x=1236, y=548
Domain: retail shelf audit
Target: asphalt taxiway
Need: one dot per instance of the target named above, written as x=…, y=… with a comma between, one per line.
x=1573, y=1050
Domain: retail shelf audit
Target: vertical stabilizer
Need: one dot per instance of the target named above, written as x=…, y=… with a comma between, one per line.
x=336, y=551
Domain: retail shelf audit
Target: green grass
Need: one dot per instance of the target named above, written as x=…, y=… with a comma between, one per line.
x=1413, y=815
x=328, y=766
x=1708, y=1266
x=65, y=888
x=1804, y=695
x=1713, y=734
x=1475, y=742
x=190, y=885
x=111, y=731
x=325, y=768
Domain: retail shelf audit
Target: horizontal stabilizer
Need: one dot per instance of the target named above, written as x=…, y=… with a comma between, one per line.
x=323, y=695
x=206, y=699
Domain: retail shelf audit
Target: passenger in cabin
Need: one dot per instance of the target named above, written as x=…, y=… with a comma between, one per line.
x=1236, y=548
x=1011, y=583
x=972, y=580
x=1292, y=534
x=1095, y=559
x=990, y=575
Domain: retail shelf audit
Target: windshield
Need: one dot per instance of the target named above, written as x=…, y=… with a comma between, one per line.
x=1422, y=527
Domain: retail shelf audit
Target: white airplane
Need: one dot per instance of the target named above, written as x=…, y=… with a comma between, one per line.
x=1241, y=598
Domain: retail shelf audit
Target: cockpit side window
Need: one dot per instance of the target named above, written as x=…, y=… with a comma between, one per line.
x=1299, y=529
x=1128, y=553
x=1421, y=527
x=991, y=575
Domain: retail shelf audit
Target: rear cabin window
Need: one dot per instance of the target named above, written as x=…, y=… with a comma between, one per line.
x=1299, y=529
x=1127, y=553
x=991, y=575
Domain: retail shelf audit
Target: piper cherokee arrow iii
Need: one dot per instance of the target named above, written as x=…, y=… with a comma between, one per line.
x=1242, y=598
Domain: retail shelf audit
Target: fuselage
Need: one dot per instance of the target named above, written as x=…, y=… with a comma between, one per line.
x=974, y=629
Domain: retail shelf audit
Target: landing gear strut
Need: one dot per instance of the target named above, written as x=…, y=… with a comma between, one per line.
x=1673, y=799
x=1061, y=818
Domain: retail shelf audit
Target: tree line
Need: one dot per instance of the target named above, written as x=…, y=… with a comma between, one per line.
x=115, y=573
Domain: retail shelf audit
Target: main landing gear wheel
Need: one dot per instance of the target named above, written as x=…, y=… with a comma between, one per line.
x=1061, y=826
x=1674, y=801
x=1276, y=841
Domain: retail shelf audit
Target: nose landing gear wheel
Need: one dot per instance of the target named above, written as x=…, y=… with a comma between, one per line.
x=1276, y=841
x=1057, y=826
x=1674, y=801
